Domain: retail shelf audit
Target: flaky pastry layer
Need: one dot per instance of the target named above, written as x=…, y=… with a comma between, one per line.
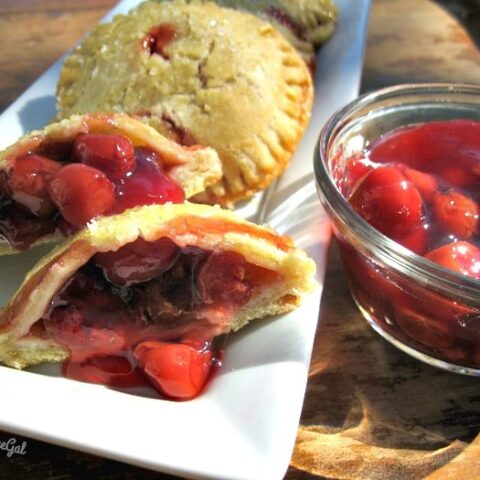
x=205, y=227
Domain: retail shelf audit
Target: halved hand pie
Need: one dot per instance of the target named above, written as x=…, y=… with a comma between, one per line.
x=55, y=180
x=198, y=73
x=134, y=291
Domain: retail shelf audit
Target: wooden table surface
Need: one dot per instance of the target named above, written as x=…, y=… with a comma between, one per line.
x=370, y=411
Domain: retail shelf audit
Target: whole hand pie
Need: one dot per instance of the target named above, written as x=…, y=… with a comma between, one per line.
x=54, y=181
x=151, y=283
x=304, y=23
x=201, y=74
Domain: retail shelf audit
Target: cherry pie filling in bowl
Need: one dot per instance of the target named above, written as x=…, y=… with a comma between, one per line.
x=151, y=313
x=398, y=172
x=419, y=185
x=60, y=186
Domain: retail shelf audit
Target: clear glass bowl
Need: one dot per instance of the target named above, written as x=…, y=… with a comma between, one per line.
x=422, y=308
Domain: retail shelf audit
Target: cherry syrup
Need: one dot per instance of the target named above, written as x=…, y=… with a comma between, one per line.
x=101, y=175
x=146, y=316
x=419, y=186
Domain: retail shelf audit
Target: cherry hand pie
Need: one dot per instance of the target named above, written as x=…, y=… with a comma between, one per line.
x=54, y=181
x=306, y=24
x=201, y=74
x=151, y=284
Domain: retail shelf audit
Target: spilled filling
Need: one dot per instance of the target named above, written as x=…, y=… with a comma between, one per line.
x=148, y=314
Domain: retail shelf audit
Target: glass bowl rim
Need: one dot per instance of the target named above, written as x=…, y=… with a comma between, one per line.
x=389, y=252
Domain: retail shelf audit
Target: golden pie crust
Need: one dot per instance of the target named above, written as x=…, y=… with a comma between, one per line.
x=192, y=168
x=228, y=80
x=206, y=227
x=306, y=24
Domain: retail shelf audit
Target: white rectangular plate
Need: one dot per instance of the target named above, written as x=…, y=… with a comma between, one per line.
x=244, y=426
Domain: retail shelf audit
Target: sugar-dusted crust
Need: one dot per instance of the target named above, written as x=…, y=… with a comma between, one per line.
x=306, y=24
x=206, y=227
x=193, y=168
x=228, y=79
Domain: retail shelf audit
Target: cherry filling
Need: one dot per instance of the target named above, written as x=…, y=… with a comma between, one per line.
x=148, y=184
x=114, y=155
x=150, y=311
x=64, y=185
x=419, y=185
x=158, y=39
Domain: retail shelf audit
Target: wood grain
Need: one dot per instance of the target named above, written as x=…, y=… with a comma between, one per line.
x=35, y=33
x=370, y=411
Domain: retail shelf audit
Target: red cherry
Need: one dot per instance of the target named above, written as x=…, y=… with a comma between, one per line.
x=368, y=277
x=138, y=261
x=177, y=370
x=424, y=327
x=461, y=257
x=354, y=171
x=112, y=154
x=27, y=182
x=426, y=184
x=81, y=193
x=455, y=213
x=416, y=240
x=457, y=176
x=388, y=201
x=148, y=185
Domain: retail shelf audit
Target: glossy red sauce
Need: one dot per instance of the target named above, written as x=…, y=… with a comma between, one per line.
x=420, y=186
x=424, y=178
x=146, y=315
x=98, y=174
x=159, y=38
